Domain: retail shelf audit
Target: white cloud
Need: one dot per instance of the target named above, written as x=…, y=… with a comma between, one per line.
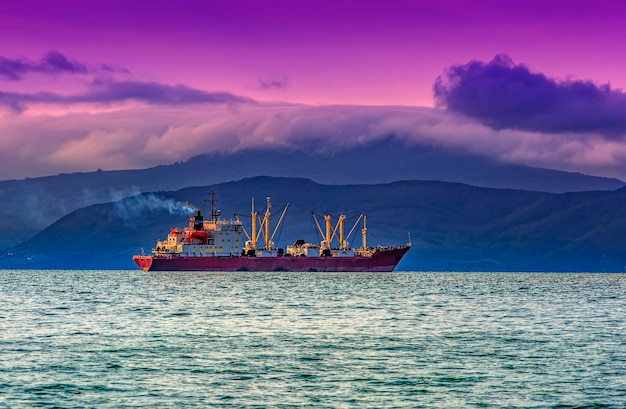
x=35, y=143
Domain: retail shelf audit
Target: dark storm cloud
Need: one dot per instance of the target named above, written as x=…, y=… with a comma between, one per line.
x=106, y=91
x=51, y=63
x=501, y=94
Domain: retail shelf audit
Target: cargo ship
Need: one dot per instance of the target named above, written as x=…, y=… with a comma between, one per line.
x=217, y=244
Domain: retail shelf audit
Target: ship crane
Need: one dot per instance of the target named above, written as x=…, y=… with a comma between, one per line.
x=331, y=232
x=248, y=236
x=356, y=223
x=280, y=220
x=266, y=222
x=341, y=226
x=262, y=227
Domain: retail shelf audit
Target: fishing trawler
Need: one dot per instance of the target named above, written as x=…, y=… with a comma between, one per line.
x=218, y=245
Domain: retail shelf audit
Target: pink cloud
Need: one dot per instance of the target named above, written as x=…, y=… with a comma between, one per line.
x=37, y=144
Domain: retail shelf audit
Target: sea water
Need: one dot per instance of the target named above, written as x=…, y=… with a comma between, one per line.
x=125, y=339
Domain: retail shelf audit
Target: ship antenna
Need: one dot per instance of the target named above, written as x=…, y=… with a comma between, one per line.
x=215, y=213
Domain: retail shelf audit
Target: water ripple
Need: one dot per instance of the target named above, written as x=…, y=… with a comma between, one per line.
x=434, y=340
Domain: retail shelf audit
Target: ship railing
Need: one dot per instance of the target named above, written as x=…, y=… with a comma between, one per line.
x=230, y=222
x=371, y=250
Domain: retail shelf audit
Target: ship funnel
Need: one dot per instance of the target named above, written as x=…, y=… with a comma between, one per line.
x=196, y=222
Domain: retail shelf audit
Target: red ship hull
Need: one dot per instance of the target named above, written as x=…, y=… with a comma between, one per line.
x=381, y=261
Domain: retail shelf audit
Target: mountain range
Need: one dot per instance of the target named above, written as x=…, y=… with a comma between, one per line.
x=452, y=226
x=30, y=205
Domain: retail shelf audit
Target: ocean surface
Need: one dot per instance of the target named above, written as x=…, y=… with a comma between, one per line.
x=129, y=339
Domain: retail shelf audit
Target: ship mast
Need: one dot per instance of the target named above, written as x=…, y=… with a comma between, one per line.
x=342, y=240
x=266, y=221
x=364, y=233
x=328, y=229
x=215, y=213
x=253, y=237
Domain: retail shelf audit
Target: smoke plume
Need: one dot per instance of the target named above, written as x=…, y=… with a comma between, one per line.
x=135, y=206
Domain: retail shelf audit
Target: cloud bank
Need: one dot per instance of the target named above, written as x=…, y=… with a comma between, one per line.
x=505, y=95
x=39, y=144
x=105, y=85
x=111, y=91
x=52, y=63
x=121, y=122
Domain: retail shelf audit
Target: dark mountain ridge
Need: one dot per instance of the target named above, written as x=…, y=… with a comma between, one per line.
x=453, y=226
x=46, y=199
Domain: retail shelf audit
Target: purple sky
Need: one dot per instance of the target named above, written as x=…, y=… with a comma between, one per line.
x=136, y=83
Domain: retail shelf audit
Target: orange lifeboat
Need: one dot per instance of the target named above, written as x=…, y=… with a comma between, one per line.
x=198, y=235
